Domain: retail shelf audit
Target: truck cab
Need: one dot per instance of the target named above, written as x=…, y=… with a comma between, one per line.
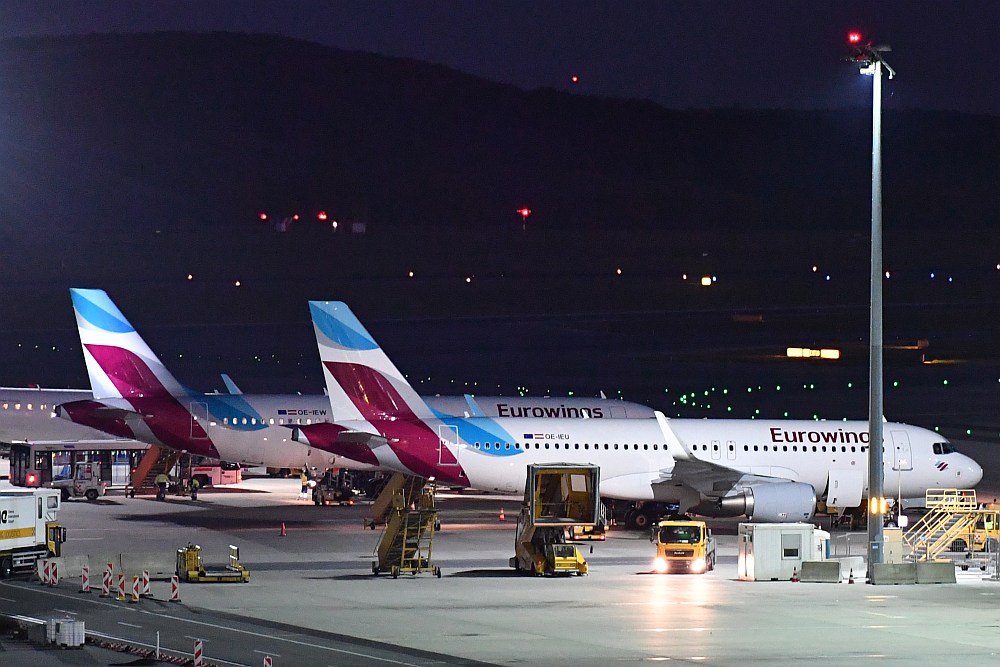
x=86, y=482
x=683, y=546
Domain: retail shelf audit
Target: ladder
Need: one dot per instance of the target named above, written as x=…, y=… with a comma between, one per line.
x=407, y=541
x=153, y=462
x=951, y=514
x=408, y=485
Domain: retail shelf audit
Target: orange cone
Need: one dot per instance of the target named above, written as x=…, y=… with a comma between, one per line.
x=795, y=572
x=283, y=532
x=850, y=579
x=502, y=517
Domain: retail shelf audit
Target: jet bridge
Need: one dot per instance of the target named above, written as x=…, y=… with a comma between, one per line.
x=558, y=498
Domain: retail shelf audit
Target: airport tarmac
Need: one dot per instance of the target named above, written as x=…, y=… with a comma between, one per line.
x=317, y=580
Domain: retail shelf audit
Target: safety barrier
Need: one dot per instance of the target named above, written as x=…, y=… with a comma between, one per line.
x=935, y=573
x=820, y=571
x=894, y=573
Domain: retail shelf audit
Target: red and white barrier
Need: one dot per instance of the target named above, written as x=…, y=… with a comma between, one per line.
x=267, y=661
x=106, y=581
x=53, y=574
x=175, y=589
x=135, y=590
x=199, y=653
x=85, y=579
x=121, y=587
x=145, y=584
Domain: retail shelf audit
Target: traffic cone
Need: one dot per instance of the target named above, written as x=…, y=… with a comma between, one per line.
x=850, y=579
x=502, y=517
x=795, y=574
x=283, y=532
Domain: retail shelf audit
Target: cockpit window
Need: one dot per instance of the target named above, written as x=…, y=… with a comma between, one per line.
x=943, y=448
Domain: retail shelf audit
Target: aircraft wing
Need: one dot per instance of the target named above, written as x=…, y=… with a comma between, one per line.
x=713, y=480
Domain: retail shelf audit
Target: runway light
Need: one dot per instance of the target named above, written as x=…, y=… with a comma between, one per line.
x=706, y=281
x=410, y=274
x=190, y=277
x=618, y=271
x=575, y=79
x=321, y=215
x=854, y=37
x=263, y=216
x=237, y=283
x=468, y=279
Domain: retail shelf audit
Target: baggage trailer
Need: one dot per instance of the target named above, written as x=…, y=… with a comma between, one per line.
x=28, y=528
x=559, y=500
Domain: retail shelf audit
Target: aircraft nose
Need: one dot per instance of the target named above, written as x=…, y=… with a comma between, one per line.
x=971, y=473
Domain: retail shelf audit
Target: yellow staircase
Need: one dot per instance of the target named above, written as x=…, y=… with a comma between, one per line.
x=407, y=541
x=408, y=485
x=952, y=514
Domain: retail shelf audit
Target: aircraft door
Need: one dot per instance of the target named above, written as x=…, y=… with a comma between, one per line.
x=731, y=450
x=199, y=420
x=902, y=458
x=448, y=445
x=716, y=450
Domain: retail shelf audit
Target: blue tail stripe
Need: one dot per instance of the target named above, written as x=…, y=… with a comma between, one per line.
x=336, y=321
x=97, y=308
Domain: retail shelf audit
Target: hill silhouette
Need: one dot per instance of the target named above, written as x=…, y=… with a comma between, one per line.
x=195, y=129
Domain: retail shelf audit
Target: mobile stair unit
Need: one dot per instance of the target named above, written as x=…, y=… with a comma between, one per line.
x=558, y=498
x=407, y=541
x=954, y=522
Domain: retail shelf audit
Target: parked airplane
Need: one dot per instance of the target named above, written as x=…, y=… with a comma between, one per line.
x=137, y=397
x=767, y=470
x=27, y=416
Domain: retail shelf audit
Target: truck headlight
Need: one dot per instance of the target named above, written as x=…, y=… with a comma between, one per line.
x=660, y=565
x=698, y=565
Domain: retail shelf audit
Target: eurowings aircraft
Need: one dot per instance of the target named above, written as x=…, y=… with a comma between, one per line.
x=135, y=396
x=767, y=470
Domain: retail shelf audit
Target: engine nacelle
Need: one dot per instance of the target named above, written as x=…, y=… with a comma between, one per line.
x=772, y=503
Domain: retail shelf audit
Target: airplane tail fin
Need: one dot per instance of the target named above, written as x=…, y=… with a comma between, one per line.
x=119, y=361
x=361, y=380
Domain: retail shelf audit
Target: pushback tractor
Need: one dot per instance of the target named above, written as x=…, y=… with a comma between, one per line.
x=559, y=500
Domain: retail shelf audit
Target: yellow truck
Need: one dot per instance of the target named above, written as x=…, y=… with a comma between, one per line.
x=683, y=546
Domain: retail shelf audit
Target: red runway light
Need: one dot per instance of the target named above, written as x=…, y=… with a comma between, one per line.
x=854, y=37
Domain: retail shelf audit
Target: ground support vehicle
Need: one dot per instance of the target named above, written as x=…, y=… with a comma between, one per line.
x=557, y=498
x=86, y=482
x=28, y=528
x=334, y=488
x=683, y=546
x=191, y=568
x=407, y=542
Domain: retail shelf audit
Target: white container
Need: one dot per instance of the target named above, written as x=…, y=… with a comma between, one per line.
x=775, y=551
x=69, y=633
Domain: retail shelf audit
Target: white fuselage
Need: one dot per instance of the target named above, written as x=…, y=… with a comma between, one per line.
x=637, y=457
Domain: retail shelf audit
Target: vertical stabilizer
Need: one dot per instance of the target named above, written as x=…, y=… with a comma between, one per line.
x=361, y=380
x=119, y=362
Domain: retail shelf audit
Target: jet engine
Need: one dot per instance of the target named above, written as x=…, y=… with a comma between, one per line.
x=771, y=502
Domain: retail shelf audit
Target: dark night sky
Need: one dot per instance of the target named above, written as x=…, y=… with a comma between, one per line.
x=684, y=54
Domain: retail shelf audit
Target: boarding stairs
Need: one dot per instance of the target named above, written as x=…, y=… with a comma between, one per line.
x=951, y=515
x=153, y=462
x=407, y=541
x=409, y=485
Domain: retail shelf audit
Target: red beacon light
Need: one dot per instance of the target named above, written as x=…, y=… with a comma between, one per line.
x=854, y=37
x=263, y=216
x=321, y=215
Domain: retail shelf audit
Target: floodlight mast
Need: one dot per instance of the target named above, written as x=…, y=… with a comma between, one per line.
x=869, y=58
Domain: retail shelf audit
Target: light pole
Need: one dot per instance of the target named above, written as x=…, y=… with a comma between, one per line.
x=870, y=59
